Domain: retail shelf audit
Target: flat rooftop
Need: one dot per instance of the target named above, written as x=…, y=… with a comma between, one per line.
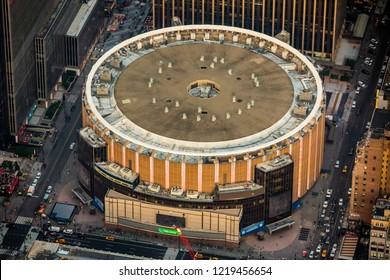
x=275, y=91
x=81, y=17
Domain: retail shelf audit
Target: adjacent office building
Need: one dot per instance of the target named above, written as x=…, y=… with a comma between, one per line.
x=314, y=25
x=50, y=47
x=21, y=20
x=370, y=176
x=33, y=53
x=80, y=37
x=4, y=127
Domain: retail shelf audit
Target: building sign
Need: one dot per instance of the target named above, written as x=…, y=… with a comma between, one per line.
x=169, y=231
x=253, y=228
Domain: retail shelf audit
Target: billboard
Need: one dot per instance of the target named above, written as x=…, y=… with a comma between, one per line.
x=169, y=221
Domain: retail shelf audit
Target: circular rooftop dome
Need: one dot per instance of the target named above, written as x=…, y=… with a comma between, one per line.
x=203, y=90
x=197, y=69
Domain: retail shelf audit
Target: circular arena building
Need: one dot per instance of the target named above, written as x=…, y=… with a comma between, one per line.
x=203, y=111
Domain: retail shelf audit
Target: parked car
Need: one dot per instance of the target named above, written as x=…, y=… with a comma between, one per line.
x=325, y=205
x=354, y=104
x=49, y=189
x=68, y=231
x=323, y=213
x=349, y=191
x=38, y=176
x=329, y=193
x=311, y=254
x=333, y=253
x=318, y=249
x=375, y=41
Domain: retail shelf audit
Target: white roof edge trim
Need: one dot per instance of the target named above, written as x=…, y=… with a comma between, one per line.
x=207, y=145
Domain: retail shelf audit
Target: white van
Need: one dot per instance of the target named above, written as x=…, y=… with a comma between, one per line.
x=30, y=191
x=54, y=229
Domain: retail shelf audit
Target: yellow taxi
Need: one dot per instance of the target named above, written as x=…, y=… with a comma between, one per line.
x=198, y=256
x=345, y=169
x=60, y=240
x=324, y=254
x=110, y=238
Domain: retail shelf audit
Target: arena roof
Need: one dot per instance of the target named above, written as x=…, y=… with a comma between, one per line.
x=145, y=91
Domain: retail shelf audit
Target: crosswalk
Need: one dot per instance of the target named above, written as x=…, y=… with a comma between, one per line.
x=304, y=234
x=24, y=220
x=8, y=252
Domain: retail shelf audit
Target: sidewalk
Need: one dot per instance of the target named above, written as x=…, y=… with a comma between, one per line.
x=62, y=193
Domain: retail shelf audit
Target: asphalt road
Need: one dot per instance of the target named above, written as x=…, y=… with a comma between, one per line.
x=123, y=246
x=57, y=153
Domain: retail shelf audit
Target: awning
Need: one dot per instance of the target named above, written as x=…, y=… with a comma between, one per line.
x=287, y=222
